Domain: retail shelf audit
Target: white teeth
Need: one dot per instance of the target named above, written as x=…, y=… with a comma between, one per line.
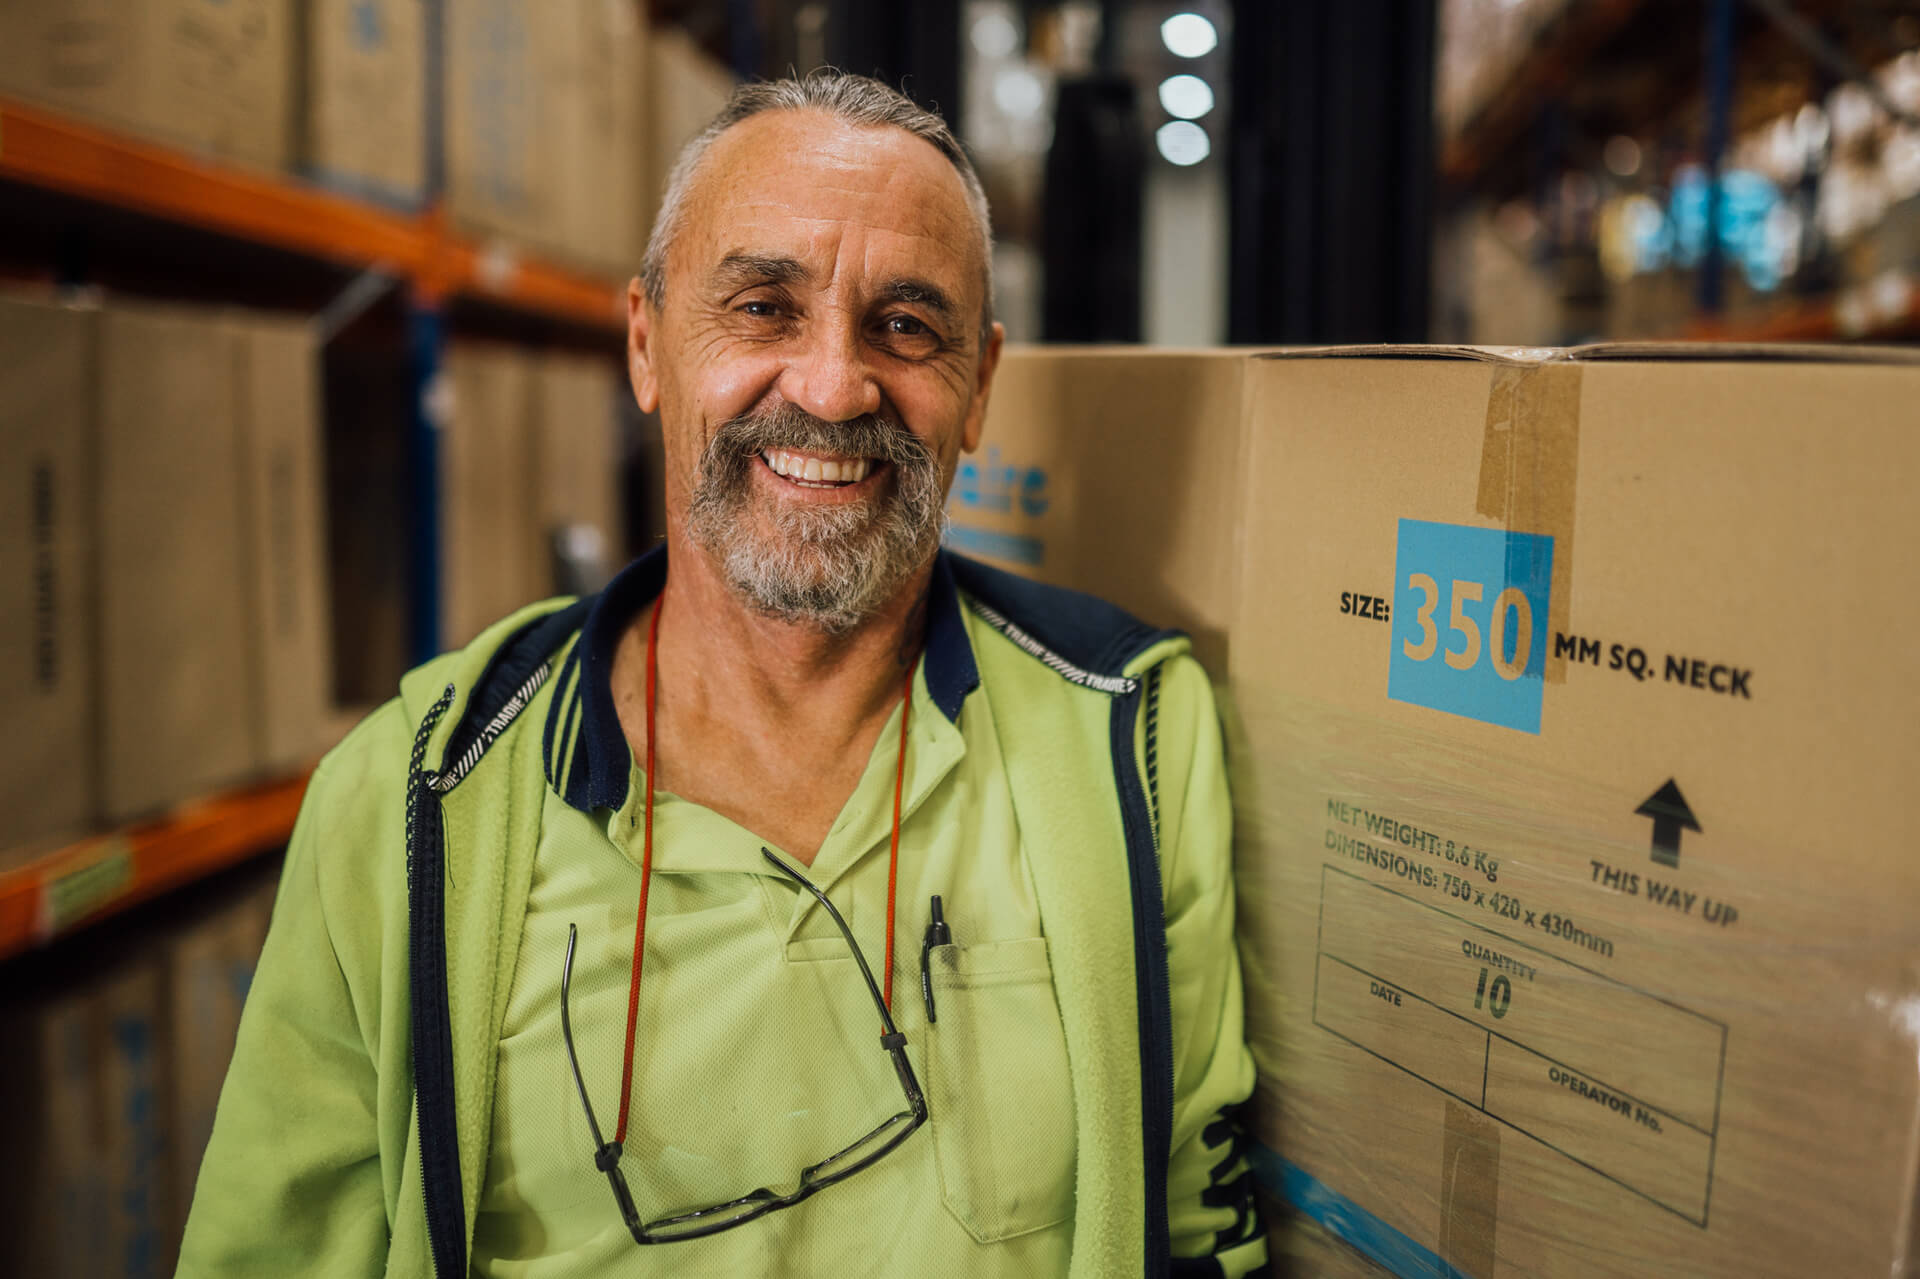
x=813, y=470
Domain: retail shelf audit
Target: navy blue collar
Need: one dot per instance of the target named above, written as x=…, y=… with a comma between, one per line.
x=587, y=757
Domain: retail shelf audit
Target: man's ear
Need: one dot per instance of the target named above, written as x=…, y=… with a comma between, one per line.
x=641, y=329
x=982, y=388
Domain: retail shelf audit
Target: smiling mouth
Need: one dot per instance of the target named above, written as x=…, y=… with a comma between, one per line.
x=812, y=471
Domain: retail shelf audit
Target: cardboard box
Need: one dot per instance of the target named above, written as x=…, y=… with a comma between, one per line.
x=210, y=962
x=211, y=76
x=544, y=127
x=89, y=1145
x=577, y=463
x=54, y=1192
x=174, y=699
x=597, y=53
x=1573, y=767
x=283, y=507
x=492, y=556
x=369, y=396
x=363, y=101
x=1111, y=470
x=47, y=392
x=686, y=89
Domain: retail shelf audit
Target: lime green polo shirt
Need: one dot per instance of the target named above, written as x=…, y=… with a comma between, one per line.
x=757, y=1051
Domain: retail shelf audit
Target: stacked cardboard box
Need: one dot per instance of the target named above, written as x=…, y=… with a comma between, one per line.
x=1572, y=771
x=362, y=110
x=528, y=469
x=160, y=567
x=113, y=1066
x=686, y=88
x=1111, y=470
x=209, y=75
x=85, y=1080
x=543, y=118
x=47, y=381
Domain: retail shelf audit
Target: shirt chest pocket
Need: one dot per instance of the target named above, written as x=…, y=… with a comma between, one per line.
x=1000, y=1094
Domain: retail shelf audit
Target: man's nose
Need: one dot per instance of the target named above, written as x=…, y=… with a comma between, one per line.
x=830, y=375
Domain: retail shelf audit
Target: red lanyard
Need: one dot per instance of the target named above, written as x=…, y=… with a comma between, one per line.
x=646, y=858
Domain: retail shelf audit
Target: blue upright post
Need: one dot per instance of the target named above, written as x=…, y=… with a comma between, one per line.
x=1712, y=294
x=426, y=341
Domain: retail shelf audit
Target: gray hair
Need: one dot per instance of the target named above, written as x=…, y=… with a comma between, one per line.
x=855, y=99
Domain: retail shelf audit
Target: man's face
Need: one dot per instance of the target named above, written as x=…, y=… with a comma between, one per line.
x=817, y=363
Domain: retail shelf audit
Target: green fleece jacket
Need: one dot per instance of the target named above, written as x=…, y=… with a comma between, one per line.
x=315, y=1162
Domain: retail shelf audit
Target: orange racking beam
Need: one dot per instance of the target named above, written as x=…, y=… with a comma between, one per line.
x=47, y=149
x=77, y=884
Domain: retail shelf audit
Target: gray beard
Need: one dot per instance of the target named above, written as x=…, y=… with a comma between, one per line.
x=830, y=567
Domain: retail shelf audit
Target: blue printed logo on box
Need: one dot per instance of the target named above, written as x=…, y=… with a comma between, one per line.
x=1470, y=622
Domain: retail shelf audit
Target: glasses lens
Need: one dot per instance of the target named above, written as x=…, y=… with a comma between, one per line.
x=709, y=1220
x=861, y=1152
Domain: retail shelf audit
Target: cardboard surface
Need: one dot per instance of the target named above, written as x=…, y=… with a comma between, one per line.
x=363, y=108
x=1113, y=471
x=212, y=76
x=88, y=1149
x=278, y=388
x=492, y=554
x=1570, y=763
x=368, y=394
x=576, y=458
x=545, y=137
x=47, y=393
x=172, y=604
x=210, y=962
x=686, y=88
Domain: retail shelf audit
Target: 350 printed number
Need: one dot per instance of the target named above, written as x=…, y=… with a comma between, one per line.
x=1470, y=621
x=1511, y=611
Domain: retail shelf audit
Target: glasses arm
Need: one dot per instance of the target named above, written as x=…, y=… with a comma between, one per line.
x=873, y=987
x=606, y=1154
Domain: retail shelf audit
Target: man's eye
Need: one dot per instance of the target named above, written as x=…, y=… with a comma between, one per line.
x=907, y=327
x=760, y=309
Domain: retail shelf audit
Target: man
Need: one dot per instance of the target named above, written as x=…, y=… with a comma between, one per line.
x=798, y=746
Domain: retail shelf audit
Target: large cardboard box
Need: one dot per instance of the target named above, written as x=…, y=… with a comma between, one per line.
x=1112, y=470
x=54, y=1193
x=89, y=1140
x=277, y=382
x=1573, y=771
x=210, y=960
x=597, y=53
x=174, y=694
x=544, y=127
x=212, y=76
x=577, y=466
x=369, y=394
x=363, y=101
x=47, y=392
x=492, y=555
x=686, y=88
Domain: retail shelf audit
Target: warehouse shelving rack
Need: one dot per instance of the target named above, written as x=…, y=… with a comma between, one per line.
x=1487, y=153
x=435, y=265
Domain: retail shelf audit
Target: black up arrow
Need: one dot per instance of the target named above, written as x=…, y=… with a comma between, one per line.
x=1668, y=808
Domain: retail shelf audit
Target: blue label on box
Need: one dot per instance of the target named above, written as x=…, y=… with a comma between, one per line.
x=1470, y=622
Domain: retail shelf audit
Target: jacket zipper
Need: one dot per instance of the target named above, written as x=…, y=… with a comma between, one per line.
x=1150, y=967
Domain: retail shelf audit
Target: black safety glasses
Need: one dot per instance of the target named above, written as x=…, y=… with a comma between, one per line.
x=862, y=1154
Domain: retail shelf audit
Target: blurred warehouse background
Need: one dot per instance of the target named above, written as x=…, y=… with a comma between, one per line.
x=310, y=362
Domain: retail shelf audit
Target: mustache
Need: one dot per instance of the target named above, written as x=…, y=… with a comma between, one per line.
x=790, y=427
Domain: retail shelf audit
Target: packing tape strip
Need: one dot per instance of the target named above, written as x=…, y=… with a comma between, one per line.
x=1530, y=469
x=1349, y=1222
x=1469, y=1190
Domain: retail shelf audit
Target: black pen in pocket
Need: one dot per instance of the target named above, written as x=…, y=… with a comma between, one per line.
x=937, y=935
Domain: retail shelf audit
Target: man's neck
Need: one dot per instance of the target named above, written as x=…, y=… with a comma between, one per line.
x=779, y=668
x=742, y=694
